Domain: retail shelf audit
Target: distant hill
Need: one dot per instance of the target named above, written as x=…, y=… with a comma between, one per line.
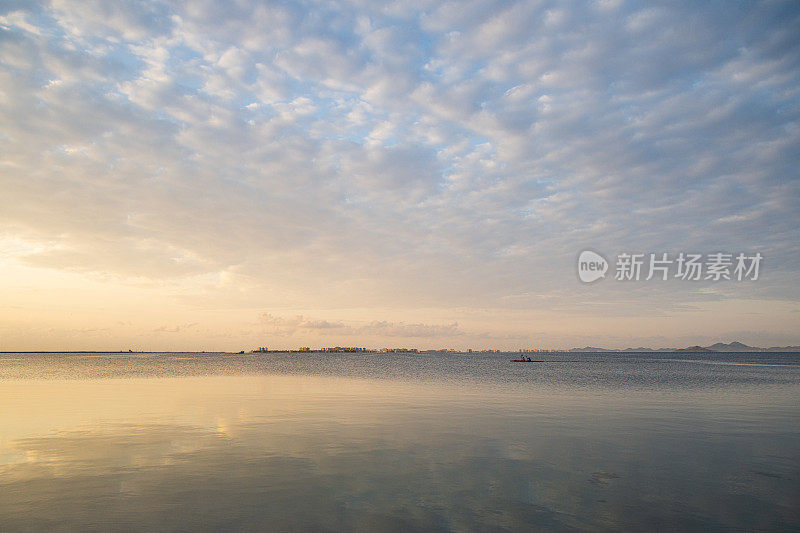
x=734, y=346
x=739, y=347
x=695, y=349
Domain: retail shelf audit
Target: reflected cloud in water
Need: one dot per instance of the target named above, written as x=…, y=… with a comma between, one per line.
x=324, y=452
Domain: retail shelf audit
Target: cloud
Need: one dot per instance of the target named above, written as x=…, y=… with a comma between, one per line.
x=297, y=322
x=414, y=331
x=433, y=154
x=284, y=326
x=181, y=328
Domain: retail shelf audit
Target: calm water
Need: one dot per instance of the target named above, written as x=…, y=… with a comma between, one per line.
x=399, y=442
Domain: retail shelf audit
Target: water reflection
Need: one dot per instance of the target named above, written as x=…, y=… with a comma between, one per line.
x=322, y=452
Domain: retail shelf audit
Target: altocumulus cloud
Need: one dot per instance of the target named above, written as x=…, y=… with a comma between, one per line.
x=446, y=153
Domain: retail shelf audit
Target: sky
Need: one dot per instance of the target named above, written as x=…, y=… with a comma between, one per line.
x=227, y=175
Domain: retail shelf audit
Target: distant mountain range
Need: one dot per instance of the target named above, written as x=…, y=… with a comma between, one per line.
x=718, y=347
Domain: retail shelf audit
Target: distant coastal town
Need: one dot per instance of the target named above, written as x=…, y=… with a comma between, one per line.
x=353, y=349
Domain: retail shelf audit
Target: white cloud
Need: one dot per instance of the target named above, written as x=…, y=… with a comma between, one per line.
x=447, y=153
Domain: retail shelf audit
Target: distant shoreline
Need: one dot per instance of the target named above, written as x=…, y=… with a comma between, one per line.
x=421, y=352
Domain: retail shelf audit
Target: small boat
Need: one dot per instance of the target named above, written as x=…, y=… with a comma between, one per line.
x=527, y=361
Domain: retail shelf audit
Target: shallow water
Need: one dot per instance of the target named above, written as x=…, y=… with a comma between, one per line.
x=399, y=442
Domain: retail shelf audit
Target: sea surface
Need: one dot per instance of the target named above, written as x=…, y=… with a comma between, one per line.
x=371, y=442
